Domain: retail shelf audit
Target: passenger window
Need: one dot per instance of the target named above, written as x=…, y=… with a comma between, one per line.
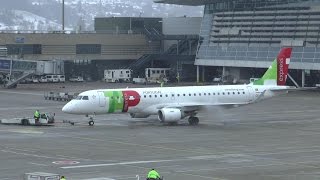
x=244, y=93
x=195, y=94
x=223, y=93
x=166, y=95
x=178, y=95
x=218, y=94
x=228, y=93
x=238, y=92
x=205, y=94
x=214, y=94
x=150, y=96
x=145, y=96
x=161, y=95
x=199, y=94
x=172, y=95
x=155, y=96
x=234, y=93
x=184, y=94
x=85, y=98
x=189, y=94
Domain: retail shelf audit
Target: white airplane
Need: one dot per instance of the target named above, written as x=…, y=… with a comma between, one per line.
x=172, y=104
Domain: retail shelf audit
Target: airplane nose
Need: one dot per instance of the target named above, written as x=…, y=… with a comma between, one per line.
x=67, y=108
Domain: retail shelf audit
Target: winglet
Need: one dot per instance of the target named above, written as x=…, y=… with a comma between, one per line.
x=278, y=72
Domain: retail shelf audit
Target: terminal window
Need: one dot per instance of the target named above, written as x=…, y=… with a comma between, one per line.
x=16, y=49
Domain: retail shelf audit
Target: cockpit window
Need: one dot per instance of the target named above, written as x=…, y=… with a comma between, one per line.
x=78, y=98
x=85, y=98
x=82, y=98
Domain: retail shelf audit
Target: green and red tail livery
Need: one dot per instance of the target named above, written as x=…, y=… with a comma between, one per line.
x=278, y=72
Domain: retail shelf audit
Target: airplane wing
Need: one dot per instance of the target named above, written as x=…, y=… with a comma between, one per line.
x=197, y=106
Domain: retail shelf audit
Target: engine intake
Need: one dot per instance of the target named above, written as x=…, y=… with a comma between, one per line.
x=170, y=115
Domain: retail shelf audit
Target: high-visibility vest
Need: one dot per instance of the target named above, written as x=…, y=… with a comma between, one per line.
x=153, y=174
x=36, y=114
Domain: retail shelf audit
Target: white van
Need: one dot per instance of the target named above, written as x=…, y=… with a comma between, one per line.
x=117, y=75
x=61, y=78
x=43, y=79
x=52, y=78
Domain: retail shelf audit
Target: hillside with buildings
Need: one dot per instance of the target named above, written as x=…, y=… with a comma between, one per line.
x=80, y=14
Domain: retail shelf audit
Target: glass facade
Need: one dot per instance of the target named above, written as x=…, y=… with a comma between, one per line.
x=247, y=5
x=255, y=30
x=88, y=48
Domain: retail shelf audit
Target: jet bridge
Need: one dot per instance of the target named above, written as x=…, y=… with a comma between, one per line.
x=17, y=70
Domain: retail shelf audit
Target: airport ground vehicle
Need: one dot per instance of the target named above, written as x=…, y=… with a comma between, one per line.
x=52, y=78
x=153, y=75
x=45, y=119
x=76, y=79
x=117, y=75
x=61, y=78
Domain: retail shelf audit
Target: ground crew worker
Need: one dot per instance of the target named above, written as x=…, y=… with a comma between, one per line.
x=153, y=175
x=37, y=116
x=62, y=178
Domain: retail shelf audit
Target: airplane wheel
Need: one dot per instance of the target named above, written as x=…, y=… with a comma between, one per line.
x=196, y=120
x=91, y=123
x=193, y=121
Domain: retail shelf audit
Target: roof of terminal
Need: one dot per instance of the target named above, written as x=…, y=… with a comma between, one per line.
x=187, y=2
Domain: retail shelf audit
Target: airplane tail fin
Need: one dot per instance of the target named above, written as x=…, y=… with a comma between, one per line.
x=278, y=72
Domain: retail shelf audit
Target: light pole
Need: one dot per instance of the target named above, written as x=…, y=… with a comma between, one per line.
x=63, y=15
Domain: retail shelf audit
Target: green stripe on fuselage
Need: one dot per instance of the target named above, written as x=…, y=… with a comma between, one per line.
x=116, y=101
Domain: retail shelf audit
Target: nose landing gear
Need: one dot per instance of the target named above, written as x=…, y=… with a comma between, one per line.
x=91, y=122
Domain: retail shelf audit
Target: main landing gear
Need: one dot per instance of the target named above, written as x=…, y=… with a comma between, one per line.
x=193, y=121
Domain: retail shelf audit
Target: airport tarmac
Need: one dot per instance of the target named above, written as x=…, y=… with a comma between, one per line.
x=276, y=139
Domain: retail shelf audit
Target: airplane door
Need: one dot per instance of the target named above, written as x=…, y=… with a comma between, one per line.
x=102, y=99
x=250, y=93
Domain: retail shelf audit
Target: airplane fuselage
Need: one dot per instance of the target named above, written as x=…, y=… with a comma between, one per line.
x=149, y=100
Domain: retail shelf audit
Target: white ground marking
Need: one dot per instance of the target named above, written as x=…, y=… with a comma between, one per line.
x=115, y=164
x=22, y=93
x=37, y=164
x=28, y=108
x=158, y=161
x=31, y=155
x=24, y=131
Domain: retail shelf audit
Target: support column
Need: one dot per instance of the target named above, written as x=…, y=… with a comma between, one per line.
x=303, y=78
x=197, y=74
x=203, y=72
x=223, y=71
x=295, y=83
x=190, y=48
x=177, y=47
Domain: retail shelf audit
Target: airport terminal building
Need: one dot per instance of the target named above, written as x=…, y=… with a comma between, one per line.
x=249, y=33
